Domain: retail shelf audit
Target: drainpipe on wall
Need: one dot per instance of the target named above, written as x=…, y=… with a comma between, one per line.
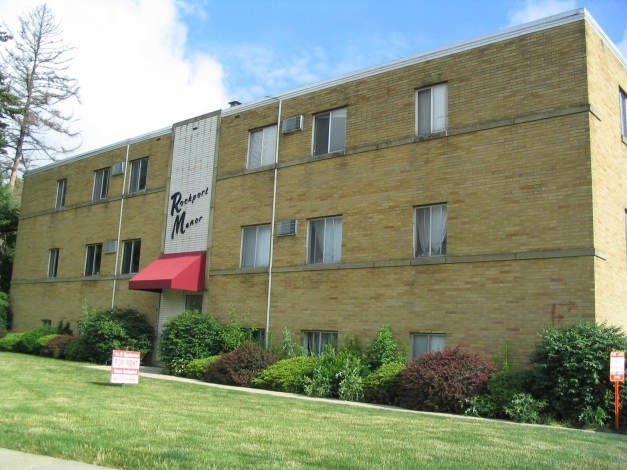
x=117, y=245
x=276, y=174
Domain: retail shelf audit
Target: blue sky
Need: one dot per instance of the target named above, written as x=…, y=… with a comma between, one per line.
x=145, y=64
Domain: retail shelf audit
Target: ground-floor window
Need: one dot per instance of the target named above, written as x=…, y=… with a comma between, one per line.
x=315, y=341
x=422, y=343
x=193, y=302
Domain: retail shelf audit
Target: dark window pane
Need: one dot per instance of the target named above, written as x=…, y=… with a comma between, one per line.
x=321, y=139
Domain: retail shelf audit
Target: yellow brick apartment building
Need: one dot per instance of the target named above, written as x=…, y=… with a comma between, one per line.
x=465, y=196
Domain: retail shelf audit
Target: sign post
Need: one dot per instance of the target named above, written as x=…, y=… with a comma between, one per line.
x=617, y=375
x=125, y=367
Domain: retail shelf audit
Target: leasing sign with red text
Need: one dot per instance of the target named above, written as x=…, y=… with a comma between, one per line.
x=125, y=367
x=617, y=366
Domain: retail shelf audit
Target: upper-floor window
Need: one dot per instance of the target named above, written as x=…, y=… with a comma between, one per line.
x=431, y=109
x=329, y=132
x=61, y=187
x=315, y=341
x=53, y=261
x=92, y=260
x=256, y=246
x=130, y=256
x=139, y=170
x=262, y=147
x=623, y=113
x=421, y=344
x=430, y=231
x=101, y=184
x=325, y=240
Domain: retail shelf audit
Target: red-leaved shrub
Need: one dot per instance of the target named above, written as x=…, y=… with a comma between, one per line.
x=442, y=380
x=56, y=346
x=240, y=366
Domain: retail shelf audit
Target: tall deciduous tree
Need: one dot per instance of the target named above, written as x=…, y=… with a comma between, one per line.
x=8, y=106
x=38, y=71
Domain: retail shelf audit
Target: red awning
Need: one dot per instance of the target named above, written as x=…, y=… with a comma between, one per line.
x=180, y=271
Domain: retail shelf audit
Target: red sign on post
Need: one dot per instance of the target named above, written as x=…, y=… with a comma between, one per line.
x=617, y=366
x=125, y=367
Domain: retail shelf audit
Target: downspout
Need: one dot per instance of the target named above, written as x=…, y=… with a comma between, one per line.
x=276, y=174
x=117, y=243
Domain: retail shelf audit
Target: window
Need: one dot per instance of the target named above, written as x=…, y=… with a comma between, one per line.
x=325, y=240
x=193, y=302
x=46, y=322
x=130, y=256
x=92, y=260
x=329, y=132
x=430, y=230
x=623, y=113
x=101, y=184
x=53, y=260
x=262, y=147
x=259, y=336
x=256, y=246
x=421, y=344
x=315, y=341
x=431, y=109
x=60, y=202
x=139, y=170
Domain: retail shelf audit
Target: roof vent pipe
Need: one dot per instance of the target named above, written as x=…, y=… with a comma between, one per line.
x=234, y=103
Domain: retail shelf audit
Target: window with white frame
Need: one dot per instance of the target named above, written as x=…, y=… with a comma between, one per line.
x=101, y=184
x=431, y=109
x=623, y=113
x=315, y=341
x=61, y=187
x=329, y=132
x=262, y=147
x=130, y=256
x=423, y=343
x=430, y=231
x=255, y=246
x=92, y=260
x=53, y=261
x=325, y=240
x=139, y=170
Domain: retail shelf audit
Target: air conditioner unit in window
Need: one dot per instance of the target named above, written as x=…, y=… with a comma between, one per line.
x=111, y=246
x=286, y=227
x=293, y=124
x=117, y=169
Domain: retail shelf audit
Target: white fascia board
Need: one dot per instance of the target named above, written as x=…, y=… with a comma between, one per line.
x=502, y=35
x=93, y=153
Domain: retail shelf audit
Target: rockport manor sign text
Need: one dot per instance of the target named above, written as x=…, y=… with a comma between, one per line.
x=180, y=226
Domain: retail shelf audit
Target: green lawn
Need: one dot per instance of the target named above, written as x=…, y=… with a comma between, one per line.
x=65, y=410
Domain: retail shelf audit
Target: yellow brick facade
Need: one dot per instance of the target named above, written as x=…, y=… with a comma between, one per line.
x=531, y=169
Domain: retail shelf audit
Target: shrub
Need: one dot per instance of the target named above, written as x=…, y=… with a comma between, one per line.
x=380, y=386
x=504, y=385
x=197, y=368
x=64, y=329
x=240, y=366
x=9, y=341
x=104, y=330
x=289, y=348
x=443, y=380
x=525, y=409
x=55, y=347
x=78, y=350
x=286, y=375
x=572, y=368
x=41, y=342
x=29, y=342
x=351, y=384
x=5, y=312
x=330, y=371
x=194, y=335
x=480, y=405
x=382, y=350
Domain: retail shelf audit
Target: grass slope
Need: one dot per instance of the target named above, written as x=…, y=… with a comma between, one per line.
x=64, y=410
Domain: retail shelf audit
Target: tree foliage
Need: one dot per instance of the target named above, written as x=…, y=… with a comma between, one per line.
x=9, y=211
x=37, y=69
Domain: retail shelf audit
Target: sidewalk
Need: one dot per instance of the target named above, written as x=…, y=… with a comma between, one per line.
x=14, y=460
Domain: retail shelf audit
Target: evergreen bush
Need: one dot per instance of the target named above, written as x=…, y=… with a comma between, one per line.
x=77, y=350
x=241, y=366
x=503, y=386
x=286, y=375
x=9, y=341
x=197, y=368
x=443, y=380
x=29, y=342
x=5, y=312
x=382, y=350
x=571, y=366
x=381, y=386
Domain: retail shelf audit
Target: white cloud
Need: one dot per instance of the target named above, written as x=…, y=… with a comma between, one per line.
x=132, y=65
x=531, y=10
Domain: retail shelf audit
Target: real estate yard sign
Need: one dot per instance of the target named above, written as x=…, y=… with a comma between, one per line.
x=125, y=367
x=617, y=375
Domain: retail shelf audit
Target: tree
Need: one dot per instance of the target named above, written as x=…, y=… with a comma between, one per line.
x=37, y=67
x=8, y=103
x=9, y=210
